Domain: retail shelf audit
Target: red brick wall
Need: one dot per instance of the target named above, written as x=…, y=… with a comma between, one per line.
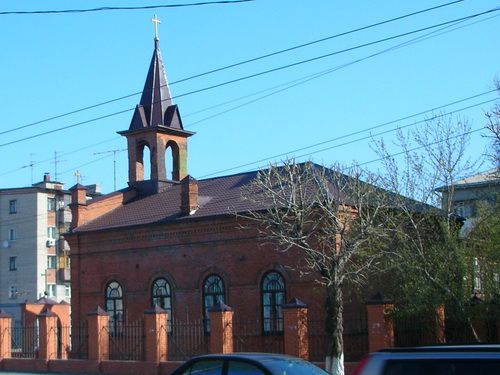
x=185, y=254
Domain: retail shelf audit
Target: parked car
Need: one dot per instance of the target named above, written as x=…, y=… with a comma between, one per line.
x=433, y=360
x=248, y=364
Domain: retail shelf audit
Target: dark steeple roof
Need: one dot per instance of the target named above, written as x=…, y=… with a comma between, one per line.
x=156, y=107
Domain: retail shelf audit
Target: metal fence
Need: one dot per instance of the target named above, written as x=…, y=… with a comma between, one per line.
x=414, y=330
x=186, y=339
x=248, y=337
x=25, y=342
x=74, y=340
x=127, y=343
x=355, y=338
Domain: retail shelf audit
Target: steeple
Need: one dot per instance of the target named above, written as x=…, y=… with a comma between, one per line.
x=156, y=97
x=157, y=125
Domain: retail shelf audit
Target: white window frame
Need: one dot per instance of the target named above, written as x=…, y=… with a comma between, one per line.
x=51, y=290
x=52, y=232
x=51, y=204
x=51, y=262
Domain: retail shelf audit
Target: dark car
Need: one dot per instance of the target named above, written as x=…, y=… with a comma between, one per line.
x=248, y=363
x=433, y=360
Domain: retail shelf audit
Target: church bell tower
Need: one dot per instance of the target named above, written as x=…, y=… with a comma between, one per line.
x=156, y=125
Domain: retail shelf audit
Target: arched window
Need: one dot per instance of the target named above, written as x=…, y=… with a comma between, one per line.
x=114, y=306
x=172, y=161
x=143, y=161
x=162, y=297
x=272, y=297
x=213, y=292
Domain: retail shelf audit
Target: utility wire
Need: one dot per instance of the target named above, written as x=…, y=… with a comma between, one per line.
x=237, y=64
x=101, y=9
x=260, y=73
x=291, y=84
x=224, y=200
x=363, y=163
x=358, y=132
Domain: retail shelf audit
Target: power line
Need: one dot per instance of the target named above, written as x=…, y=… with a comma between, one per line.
x=283, y=87
x=359, y=164
x=358, y=132
x=144, y=7
x=291, y=84
x=260, y=74
x=238, y=64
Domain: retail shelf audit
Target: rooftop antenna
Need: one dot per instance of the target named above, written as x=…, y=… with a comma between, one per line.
x=56, y=162
x=114, y=162
x=30, y=165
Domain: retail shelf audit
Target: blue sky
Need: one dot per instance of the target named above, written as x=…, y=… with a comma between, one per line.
x=57, y=63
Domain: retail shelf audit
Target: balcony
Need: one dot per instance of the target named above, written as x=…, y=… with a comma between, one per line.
x=64, y=274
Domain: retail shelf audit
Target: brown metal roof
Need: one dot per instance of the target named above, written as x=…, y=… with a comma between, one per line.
x=216, y=196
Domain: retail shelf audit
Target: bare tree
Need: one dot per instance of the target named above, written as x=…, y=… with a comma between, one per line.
x=493, y=127
x=334, y=220
x=430, y=256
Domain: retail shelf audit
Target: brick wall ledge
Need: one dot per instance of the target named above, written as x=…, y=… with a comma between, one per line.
x=86, y=367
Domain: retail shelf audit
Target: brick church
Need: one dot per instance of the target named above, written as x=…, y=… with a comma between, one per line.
x=176, y=243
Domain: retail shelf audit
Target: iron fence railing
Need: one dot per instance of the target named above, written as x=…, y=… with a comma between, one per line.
x=186, y=339
x=128, y=343
x=25, y=342
x=355, y=338
x=248, y=336
x=74, y=340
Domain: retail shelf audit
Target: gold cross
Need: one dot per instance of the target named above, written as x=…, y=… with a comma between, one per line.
x=156, y=21
x=77, y=175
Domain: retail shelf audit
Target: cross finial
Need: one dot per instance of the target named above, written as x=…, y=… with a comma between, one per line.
x=156, y=21
x=78, y=175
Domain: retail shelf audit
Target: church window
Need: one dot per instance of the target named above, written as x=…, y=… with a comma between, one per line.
x=273, y=296
x=114, y=306
x=161, y=296
x=213, y=292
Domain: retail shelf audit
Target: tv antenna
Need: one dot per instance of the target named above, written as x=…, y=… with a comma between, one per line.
x=114, y=162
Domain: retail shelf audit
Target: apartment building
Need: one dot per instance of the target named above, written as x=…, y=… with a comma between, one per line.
x=34, y=257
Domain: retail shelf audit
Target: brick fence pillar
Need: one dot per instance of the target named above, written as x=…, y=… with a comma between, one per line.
x=440, y=325
x=5, y=335
x=295, y=329
x=98, y=342
x=380, y=324
x=155, y=332
x=221, y=328
x=48, y=335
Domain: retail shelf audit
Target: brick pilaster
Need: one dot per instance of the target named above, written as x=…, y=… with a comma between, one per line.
x=221, y=328
x=48, y=335
x=98, y=323
x=380, y=324
x=5, y=335
x=295, y=329
x=155, y=332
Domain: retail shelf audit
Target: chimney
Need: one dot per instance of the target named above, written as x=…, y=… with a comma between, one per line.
x=46, y=177
x=189, y=195
x=78, y=205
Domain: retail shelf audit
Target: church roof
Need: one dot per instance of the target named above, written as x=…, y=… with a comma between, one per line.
x=216, y=196
x=220, y=196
